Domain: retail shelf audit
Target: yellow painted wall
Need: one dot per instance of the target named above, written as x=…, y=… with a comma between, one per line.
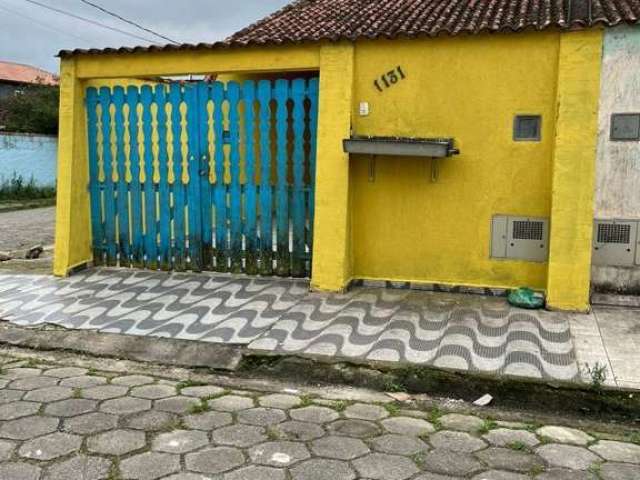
x=406, y=227
x=73, y=229
x=184, y=62
x=332, y=246
x=574, y=169
x=117, y=82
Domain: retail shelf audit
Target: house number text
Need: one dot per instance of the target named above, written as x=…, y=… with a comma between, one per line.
x=389, y=79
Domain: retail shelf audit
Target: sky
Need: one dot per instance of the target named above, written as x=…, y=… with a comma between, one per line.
x=33, y=35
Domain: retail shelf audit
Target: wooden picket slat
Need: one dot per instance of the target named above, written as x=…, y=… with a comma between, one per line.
x=298, y=87
x=178, y=189
x=282, y=185
x=122, y=190
x=150, y=215
x=163, y=184
x=233, y=94
x=193, y=188
x=94, y=175
x=313, y=136
x=158, y=215
x=250, y=205
x=109, y=204
x=220, y=189
x=137, y=232
x=266, y=194
x=203, y=93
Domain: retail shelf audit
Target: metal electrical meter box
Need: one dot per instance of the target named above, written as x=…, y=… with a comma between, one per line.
x=614, y=242
x=520, y=238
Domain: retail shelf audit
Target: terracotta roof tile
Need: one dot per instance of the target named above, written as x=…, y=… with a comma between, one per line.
x=316, y=20
x=18, y=73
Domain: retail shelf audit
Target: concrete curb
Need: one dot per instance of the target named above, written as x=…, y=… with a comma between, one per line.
x=508, y=392
x=27, y=205
x=183, y=353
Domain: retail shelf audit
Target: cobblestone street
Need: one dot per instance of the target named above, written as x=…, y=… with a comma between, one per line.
x=68, y=422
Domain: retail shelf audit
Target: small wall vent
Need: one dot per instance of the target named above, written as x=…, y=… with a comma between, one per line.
x=613, y=233
x=520, y=238
x=527, y=230
x=614, y=242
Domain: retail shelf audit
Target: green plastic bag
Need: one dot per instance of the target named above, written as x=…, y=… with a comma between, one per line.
x=524, y=297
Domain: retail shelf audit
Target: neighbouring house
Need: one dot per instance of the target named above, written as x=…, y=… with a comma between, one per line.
x=415, y=143
x=30, y=156
x=15, y=76
x=616, y=255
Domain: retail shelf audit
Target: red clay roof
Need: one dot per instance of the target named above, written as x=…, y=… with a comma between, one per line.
x=316, y=20
x=19, y=73
x=313, y=20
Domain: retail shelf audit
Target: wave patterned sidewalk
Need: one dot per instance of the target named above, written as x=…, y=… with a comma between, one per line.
x=210, y=308
x=462, y=332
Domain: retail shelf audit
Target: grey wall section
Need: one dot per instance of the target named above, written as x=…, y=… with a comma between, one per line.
x=617, y=192
x=30, y=156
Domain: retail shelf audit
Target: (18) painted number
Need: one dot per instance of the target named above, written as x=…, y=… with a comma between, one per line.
x=389, y=79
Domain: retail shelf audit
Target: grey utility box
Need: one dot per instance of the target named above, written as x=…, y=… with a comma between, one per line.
x=614, y=242
x=520, y=238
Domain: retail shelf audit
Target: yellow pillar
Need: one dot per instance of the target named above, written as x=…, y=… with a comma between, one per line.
x=573, y=171
x=73, y=231
x=331, y=243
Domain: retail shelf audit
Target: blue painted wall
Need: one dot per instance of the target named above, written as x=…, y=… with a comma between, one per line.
x=30, y=156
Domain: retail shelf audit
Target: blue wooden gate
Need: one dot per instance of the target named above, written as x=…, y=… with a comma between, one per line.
x=204, y=176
